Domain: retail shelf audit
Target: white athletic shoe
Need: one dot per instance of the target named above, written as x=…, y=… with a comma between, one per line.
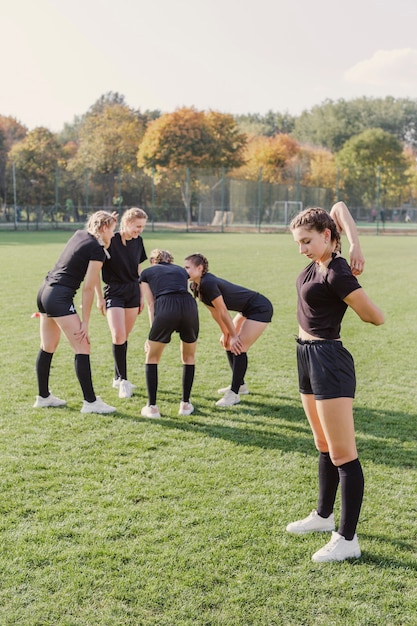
x=98, y=406
x=116, y=383
x=150, y=410
x=313, y=523
x=186, y=408
x=338, y=549
x=243, y=390
x=229, y=399
x=125, y=389
x=51, y=400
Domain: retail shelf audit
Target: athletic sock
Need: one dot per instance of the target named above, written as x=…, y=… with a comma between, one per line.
x=328, y=484
x=83, y=371
x=230, y=358
x=351, y=489
x=187, y=381
x=119, y=355
x=43, y=368
x=240, y=365
x=151, y=373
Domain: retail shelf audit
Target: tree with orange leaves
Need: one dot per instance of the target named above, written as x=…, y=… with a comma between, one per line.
x=187, y=139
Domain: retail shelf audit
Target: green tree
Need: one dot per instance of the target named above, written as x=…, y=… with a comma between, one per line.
x=187, y=139
x=11, y=132
x=270, y=124
x=108, y=141
x=373, y=164
x=37, y=158
x=331, y=124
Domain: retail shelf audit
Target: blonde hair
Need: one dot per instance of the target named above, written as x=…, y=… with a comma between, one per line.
x=160, y=256
x=130, y=215
x=97, y=220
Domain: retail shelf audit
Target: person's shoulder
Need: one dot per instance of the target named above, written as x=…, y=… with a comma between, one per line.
x=339, y=263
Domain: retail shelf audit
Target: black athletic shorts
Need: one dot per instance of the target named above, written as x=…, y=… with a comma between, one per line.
x=122, y=295
x=175, y=313
x=325, y=369
x=258, y=309
x=56, y=300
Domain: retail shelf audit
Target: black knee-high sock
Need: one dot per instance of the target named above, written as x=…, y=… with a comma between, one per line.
x=351, y=490
x=230, y=358
x=187, y=381
x=151, y=372
x=328, y=484
x=43, y=368
x=120, y=364
x=240, y=365
x=83, y=371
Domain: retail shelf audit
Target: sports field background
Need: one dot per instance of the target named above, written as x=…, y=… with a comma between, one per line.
x=114, y=520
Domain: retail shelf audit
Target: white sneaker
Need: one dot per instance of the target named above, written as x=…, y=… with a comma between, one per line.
x=229, y=399
x=243, y=390
x=150, y=410
x=186, y=408
x=125, y=389
x=51, y=400
x=338, y=549
x=98, y=406
x=116, y=383
x=311, y=524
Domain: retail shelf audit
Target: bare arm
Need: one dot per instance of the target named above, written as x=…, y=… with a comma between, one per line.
x=91, y=279
x=345, y=223
x=142, y=301
x=364, y=307
x=147, y=292
x=101, y=303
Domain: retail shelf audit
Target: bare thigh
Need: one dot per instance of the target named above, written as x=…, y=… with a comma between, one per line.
x=188, y=352
x=70, y=324
x=250, y=331
x=50, y=333
x=333, y=427
x=155, y=350
x=121, y=322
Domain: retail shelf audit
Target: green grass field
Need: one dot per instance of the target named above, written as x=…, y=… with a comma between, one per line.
x=119, y=520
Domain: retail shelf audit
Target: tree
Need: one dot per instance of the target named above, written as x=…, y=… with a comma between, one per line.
x=108, y=142
x=37, y=158
x=277, y=156
x=373, y=165
x=331, y=124
x=318, y=168
x=11, y=132
x=187, y=139
x=270, y=124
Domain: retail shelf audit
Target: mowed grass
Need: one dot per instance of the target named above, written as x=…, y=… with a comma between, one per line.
x=121, y=520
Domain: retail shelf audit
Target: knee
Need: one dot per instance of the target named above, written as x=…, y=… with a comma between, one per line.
x=321, y=445
x=118, y=338
x=188, y=360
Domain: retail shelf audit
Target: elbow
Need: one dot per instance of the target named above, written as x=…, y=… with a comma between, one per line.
x=376, y=319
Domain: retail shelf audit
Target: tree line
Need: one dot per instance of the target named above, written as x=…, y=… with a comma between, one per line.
x=364, y=150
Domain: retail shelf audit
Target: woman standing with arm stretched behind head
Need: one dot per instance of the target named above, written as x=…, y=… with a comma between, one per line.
x=80, y=262
x=238, y=334
x=326, y=287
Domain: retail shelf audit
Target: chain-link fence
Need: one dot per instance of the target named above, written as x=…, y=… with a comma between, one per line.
x=188, y=199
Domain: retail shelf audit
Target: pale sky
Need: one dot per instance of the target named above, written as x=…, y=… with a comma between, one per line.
x=59, y=56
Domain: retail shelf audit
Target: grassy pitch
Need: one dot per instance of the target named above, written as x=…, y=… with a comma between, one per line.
x=125, y=521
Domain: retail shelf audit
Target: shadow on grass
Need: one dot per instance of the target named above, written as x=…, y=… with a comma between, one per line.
x=383, y=437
